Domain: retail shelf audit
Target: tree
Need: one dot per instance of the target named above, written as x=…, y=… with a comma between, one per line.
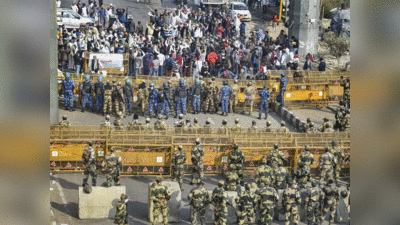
x=337, y=45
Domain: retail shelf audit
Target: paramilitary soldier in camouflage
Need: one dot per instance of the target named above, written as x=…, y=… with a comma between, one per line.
x=328, y=128
x=253, y=128
x=236, y=160
x=326, y=124
x=128, y=93
x=291, y=201
x=264, y=173
x=327, y=162
x=64, y=122
x=246, y=202
x=197, y=161
x=208, y=129
x=339, y=156
x=274, y=157
x=232, y=180
x=268, y=199
x=313, y=202
x=143, y=95
x=281, y=176
x=306, y=157
x=330, y=201
x=147, y=128
x=178, y=164
x=209, y=92
x=249, y=99
x=283, y=129
x=160, y=195
x=180, y=122
x=268, y=127
x=196, y=126
x=307, y=127
x=107, y=122
x=237, y=127
x=160, y=124
x=346, y=91
x=346, y=122
x=134, y=124
x=118, y=96
x=107, y=90
x=199, y=199
x=233, y=101
x=112, y=164
x=121, y=217
x=119, y=125
x=220, y=200
x=223, y=129
x=89, y=163
x=301, y=176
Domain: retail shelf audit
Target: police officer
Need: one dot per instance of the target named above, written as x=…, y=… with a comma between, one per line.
x=98, y=90
x=209, y=97
x=307, y=127
x=199, y=199
x=64, y=122
x=121, y=217
x=301, y=176
x=112, y=164
x=107, y=122
x=160, y=124
x=281, y=177
x=179, y=124
x=253, y=128
x=268, y=127
x=275, y=156
x=67, y=87
x=291, y=200
x=143, y=94
x=313, y=202
x=197, y=93
x=89, y=163
x=225, y=94
x=159, y=194
x=196, y=126
x=306, y=157
x=208, y=129
x=181, y=93
x=153, y=98
x=246, y=202
x=326, y=124
x=264, y=97
x=134, y=124
x=187, y=126
x=147, y=127
x=178, y=164
x=283, y=129
x=328, y=128
x=233, y=102
x=339, y=156
x=236, y=160
x=268, y=199
x=118, y=95
x=128, y=93
x=220, y=200
x=197, y=161
x=86, y=91
x=166, y=99
x=232, y=180
x=119, y=125
x=107, y=91
x=237, y=127
x=282, y=88
x=264, y=173
x=330, y=201
x=327, y=163
x=249, y=99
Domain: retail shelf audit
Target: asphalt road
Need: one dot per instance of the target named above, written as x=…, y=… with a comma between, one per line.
x=64, y=198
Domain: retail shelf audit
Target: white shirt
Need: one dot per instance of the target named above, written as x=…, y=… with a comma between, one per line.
x=161, y=58
x=291, y=57
x=84, y=12
x=75, y=8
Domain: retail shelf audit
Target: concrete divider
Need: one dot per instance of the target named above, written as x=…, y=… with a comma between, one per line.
x=174, y=204
x=100, y=203
x=289, y=117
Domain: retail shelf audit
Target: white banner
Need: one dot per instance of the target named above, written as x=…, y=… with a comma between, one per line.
x=108, y=61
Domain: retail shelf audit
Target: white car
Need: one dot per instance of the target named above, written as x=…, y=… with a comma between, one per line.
x=71, y=19
x=241, y=9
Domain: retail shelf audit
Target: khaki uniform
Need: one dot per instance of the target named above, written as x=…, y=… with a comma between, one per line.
x=107, y=107
x=134, y=125
x=118, y=95
x=223, y=129
x=119, y=125
x=143, y=95
x=237, y=128
x=233, y=101
x=253, y=129
x=249, y=99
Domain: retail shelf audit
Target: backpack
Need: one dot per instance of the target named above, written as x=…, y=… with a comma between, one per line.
x=169, y=64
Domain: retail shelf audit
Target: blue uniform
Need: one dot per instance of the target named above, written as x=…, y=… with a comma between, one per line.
x=166, y=96
x=87, y=97
x=146, y=63
x=282, y=88
x=196, y=93
x=153, y=96
x=264, y=96
x=99, y=95
x=224, y=93
x=68, y=86
x=181, y=92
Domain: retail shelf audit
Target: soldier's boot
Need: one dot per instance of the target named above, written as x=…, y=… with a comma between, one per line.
x=265, y=117
x=94, y=181
x=93, y=110
x=259, y=117
x=83, y=109
x=192, y=181
x=71, y=109
x=180, y=186
x=166, y=117
x=85, y=180
x=65, y=107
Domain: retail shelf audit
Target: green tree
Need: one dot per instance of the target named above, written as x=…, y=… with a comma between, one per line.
x=337, y=45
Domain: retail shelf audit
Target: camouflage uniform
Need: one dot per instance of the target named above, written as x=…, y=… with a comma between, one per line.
x=64, y=123
x=325, y=125
x=253, y=129
x=330, y=200
x=283, y=129
x=113, y=164
x=309, y=128
x=233, y=101
x=237, y=127
x=339, y=156
x=264, y=173
x=236, y=160
x=208, y=129
x=119, y=125
x=118, y=95
x=291, y=199
x=199, y=198
x=268, y=198
x=346, y=123
x=327, y=161
x=179, y=124
x=281, y=177
x=249, y=99
x=232, y=180
x=196, y=127
x=178, y=164
x=134, y=124
x=223, y=129
x=160, y=195
x=107, y=91
x=197, y=160
x=209, y=92
x=306, y=157
x=121, y=214
x=313, y=203
x=268, y=127
x=143, y=95
x=147, y=128
x=160, y=124
x=328, y=128
x=220, y=199
x=274, y=157
x=215, y=95
x=246, y=204
x=301, y=176
x=89, y=163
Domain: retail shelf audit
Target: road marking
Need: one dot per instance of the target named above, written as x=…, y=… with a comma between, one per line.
x=63, y=200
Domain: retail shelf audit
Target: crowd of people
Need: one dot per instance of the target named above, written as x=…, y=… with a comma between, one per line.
x=183, y=43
